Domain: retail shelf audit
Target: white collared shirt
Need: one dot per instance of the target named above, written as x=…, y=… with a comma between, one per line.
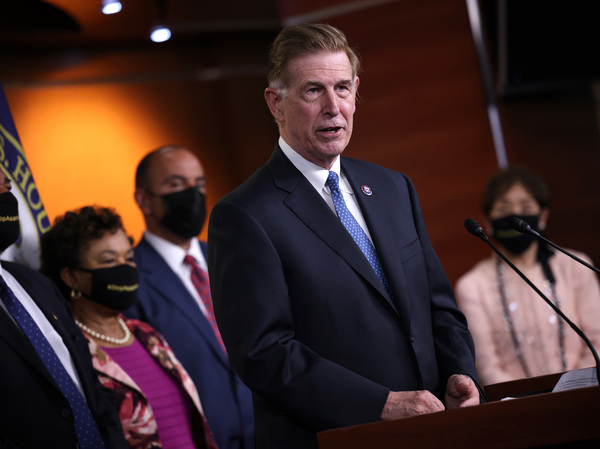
x=42, y=322
x=317, y=176
x=174, y=255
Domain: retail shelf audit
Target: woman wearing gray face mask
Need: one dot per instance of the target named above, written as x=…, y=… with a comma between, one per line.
x=88, y=254
x=516, y=334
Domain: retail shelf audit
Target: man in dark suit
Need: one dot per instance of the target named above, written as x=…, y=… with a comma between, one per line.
x=170, y=189
x=331, y=301
x=34, y=410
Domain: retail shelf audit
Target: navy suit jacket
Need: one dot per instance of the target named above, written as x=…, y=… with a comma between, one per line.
x=308, y=325
x=33, y=411
x=164, y=303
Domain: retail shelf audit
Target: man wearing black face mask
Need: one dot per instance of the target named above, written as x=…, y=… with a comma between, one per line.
x=50, y=394
x=174, y=294
x=516, y=334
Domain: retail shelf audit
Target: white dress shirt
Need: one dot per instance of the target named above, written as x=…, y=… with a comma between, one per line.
x=317, y=176
x=174, y=255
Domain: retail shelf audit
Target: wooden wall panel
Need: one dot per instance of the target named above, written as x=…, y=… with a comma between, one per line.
x=86, y=119
x=555, y=134
x=421, y=112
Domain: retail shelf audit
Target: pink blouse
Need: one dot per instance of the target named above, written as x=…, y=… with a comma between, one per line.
x=535, y=324
x=136, y=402
x=171, y=406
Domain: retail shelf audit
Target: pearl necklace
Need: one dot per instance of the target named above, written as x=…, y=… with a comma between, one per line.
x=116, y=341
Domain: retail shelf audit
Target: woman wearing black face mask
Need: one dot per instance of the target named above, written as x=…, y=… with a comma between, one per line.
x=516, y=333
x=88, y=254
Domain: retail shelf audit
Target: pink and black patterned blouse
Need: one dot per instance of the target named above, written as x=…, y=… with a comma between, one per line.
x=158, y=403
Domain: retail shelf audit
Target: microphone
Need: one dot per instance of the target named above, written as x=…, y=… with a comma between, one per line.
x=519, y=225
x=473, y=227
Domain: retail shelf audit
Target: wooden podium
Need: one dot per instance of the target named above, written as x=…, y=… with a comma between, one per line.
x=536, y=418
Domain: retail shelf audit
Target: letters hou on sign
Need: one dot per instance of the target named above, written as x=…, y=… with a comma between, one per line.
x=32, y=215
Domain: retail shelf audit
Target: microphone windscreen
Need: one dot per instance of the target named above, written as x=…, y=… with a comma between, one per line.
x=519, y=225
x=473, y=227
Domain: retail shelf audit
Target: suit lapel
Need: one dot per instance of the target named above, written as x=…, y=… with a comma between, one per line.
x=159, y=276
x=13, y=335
x=309, y=206
x=383, y=227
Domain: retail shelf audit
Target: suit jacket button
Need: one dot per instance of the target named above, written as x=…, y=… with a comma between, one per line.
x=66, y=413
x=412, y=339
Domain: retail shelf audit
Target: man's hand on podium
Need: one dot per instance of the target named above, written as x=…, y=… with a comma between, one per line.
x=401, y=404
x=461, y=391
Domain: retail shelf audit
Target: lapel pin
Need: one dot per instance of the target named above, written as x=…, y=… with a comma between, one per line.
x=55, y=317
x=367, y=190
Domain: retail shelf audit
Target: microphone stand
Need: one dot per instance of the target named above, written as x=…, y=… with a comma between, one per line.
x=474, y=228
x=519, y=225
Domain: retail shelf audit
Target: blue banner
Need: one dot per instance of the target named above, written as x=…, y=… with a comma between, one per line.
x=32, y=215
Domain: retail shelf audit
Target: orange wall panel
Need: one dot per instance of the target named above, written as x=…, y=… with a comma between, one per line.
x=83, y=142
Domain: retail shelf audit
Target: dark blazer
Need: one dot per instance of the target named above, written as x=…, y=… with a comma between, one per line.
x=33, y=411
x=166, y=305
x=308, y=325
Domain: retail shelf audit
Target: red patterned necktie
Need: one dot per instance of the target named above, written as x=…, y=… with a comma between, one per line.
x=200, y=280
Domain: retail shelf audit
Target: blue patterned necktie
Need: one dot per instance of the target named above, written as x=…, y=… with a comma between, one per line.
x=355, y=230
x=87, y=432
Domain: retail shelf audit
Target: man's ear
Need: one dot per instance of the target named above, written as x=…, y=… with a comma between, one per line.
x=142, y=199
x=274, y=101
x=356, y=97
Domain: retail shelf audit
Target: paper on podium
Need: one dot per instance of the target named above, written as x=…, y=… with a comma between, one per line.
x=578, y=378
